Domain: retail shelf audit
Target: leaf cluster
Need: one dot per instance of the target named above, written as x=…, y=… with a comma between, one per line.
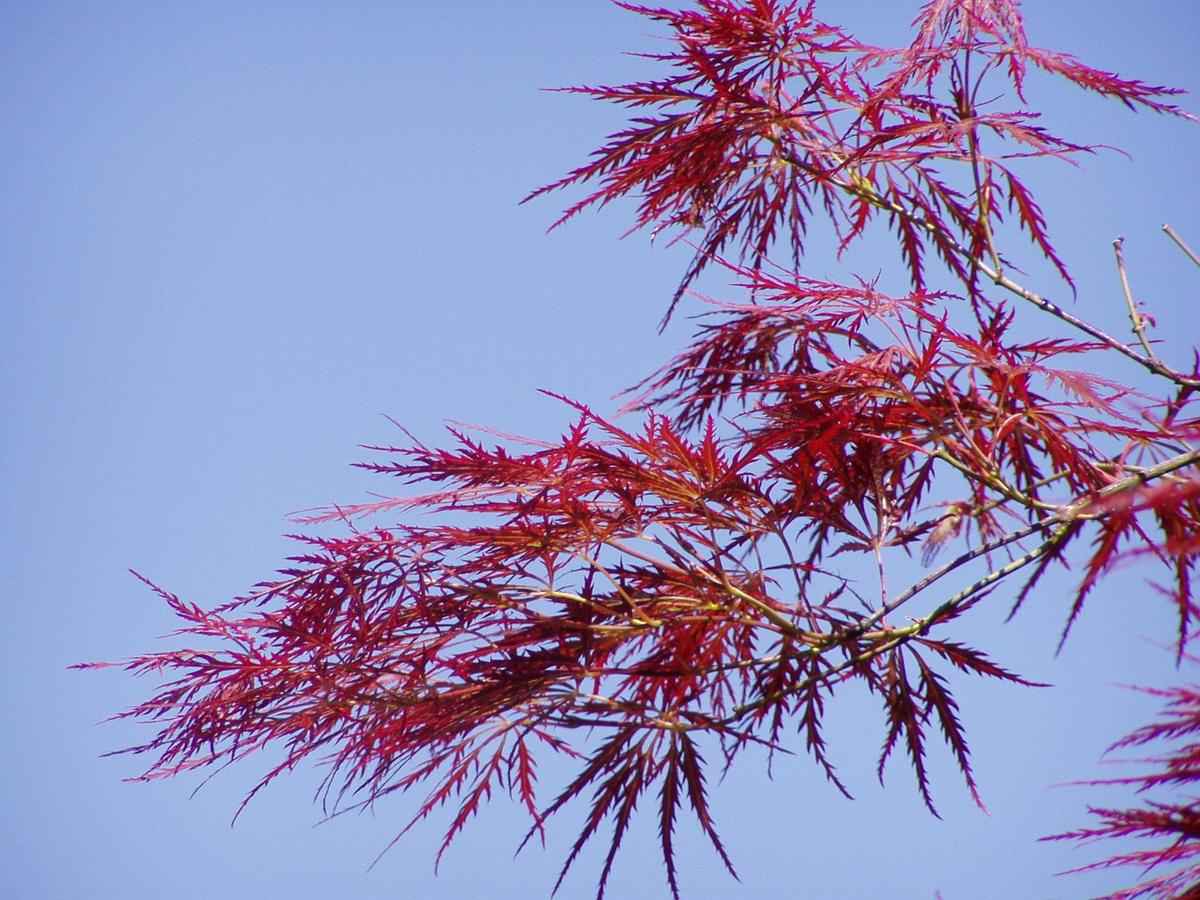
x=653, y=600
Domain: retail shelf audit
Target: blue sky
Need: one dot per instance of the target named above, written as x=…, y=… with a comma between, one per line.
x=239, y=234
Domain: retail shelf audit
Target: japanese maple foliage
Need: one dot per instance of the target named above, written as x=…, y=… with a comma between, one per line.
x=652, y=599
x=1177, y=819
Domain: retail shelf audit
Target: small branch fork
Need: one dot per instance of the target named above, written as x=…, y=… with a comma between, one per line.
x=812, y=645
x=1075, y=512
x=1149, y=362
x=858, y=187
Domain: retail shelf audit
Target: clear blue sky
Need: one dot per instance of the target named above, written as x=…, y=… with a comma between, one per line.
x=236, y=234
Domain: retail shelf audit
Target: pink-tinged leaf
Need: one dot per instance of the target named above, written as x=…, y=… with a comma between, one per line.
x=1173, y=827
x=905, y=719
x=1029, y=214
x=939, y=700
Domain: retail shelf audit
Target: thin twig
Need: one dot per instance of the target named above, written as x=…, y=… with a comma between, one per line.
x=1182, y=246
x=1134, y=316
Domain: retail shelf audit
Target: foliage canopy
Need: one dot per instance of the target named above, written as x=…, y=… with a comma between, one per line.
x=635, y=596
